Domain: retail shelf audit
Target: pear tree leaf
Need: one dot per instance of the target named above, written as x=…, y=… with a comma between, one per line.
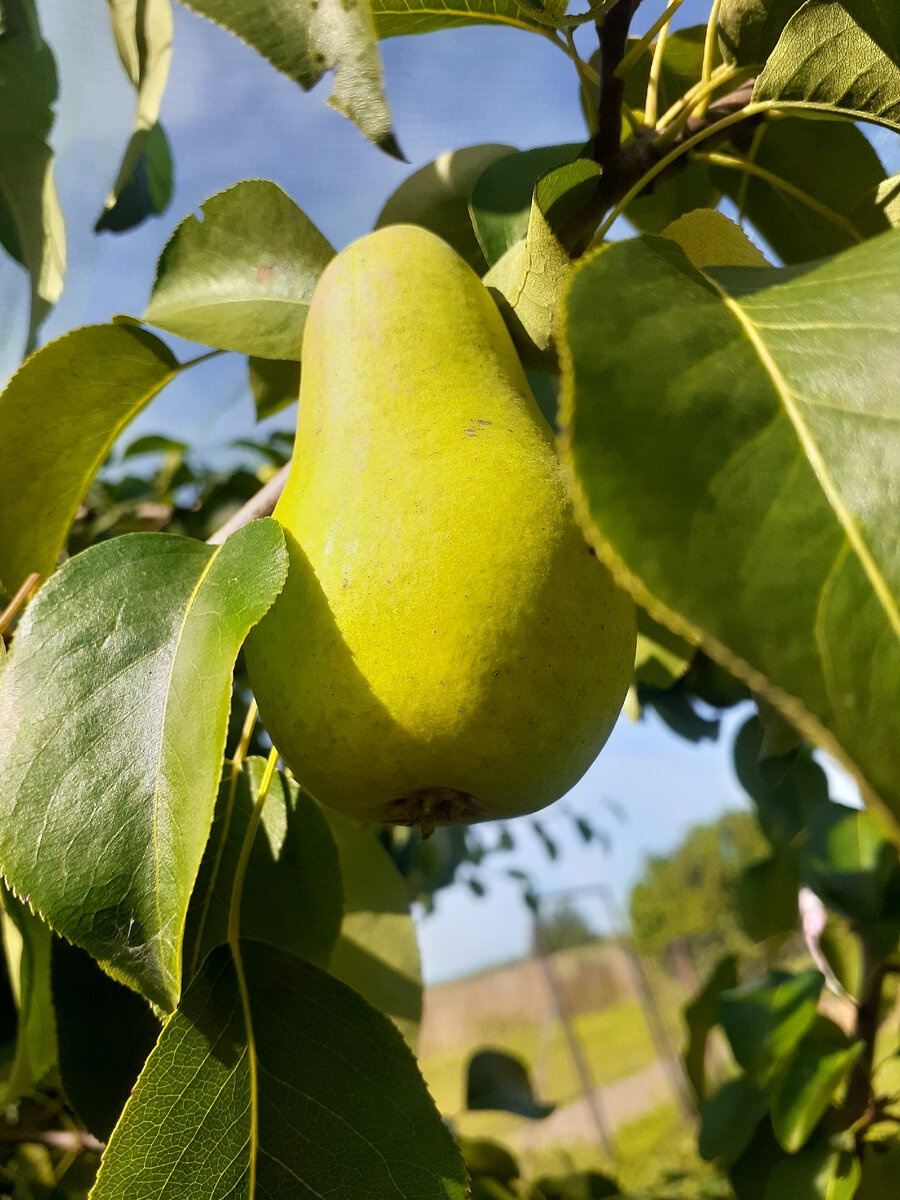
x=878, y=207
x=818, y=1172
x=784, y=791
x=104, y=1031
x=701, y=1015
x=661, y=657
x=709, y=239
x=377, y=953
x=762, y=421
x=396, y=17
x=142, y=30
x=275, y=384
x=243, y=277
x=501, y=199
x=274, y=1079
x=109, y=775
x=292, y=895
x=26, y=944
x=306, y=38
x=840, y=56
x=767, y=897
x=728, y=1120
x=807, y=1081
x=849, y=861
x=60, y=414
x=825, y=210
x=32, y=229
x=749, y=29
x=500, y=1081
x=527, y=284
x=437, y=198
x=766, y=1018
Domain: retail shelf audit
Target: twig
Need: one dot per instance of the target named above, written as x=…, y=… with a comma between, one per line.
x=613, y=34
x=17, y=601
x=73, y=1141
x=257, y=506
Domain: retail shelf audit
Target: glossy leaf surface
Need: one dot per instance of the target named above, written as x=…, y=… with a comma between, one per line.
x=807, y=1081
x=766, y=1018
x=113, y=712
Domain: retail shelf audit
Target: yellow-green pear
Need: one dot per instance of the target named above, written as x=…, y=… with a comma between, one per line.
x=446, y=647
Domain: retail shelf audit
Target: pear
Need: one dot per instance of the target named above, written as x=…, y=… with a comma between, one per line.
x=446, y=647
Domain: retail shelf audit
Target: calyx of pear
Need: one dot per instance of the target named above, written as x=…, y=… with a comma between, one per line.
x=446, y=647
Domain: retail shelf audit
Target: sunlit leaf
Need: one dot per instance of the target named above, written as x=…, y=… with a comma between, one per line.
x=243, y=277
x=807, y=1081
x=60, y=414
x=108, y=777
x=26, y=944
x=395, y=17
x=766, y=1018
x=701, y=1015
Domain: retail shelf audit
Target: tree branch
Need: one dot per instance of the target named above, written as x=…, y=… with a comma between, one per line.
x=613, y=35
x=257, y=506
x=72, y=1141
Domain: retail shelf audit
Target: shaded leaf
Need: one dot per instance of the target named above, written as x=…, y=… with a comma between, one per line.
x=879, y=206
x=31, y=222
x=807, y=1081
x=579, y=1185
x=377, y=953
x=305, y=38
x=497, y=1080
x=835, y=55
x=142, y=30
x=484, y=1157
x=766, y=1018
x=60, y=414
x=242, y=278
x=396, y=17
x=297, y=1087
x=437, y=198
x=109, y=777
x=767, y=897
x=154, y=443
x=816, y=1172
x=26, y=944
x=748, y=1176
x=729, y=1119
x=701, y=1014
x=784, y=790
x=501, y=200
x=105, y=1033
x=692, y=187
x=762, y=423
x=292, y=894
x=749, y=29
x=802, y=155
x=849, y=861
x=275, y=384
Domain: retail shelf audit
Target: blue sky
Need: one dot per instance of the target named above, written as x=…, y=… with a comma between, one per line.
x=230, y=116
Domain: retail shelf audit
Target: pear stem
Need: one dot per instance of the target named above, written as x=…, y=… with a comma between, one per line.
x=257, y=506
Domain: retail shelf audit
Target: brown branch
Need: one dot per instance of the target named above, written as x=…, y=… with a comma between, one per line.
x=613, y=34
x=257, y=506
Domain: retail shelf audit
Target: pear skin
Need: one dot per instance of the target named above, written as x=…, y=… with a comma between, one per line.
x=446, y=647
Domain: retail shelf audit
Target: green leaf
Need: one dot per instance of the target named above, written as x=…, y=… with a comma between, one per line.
x=710, y=239
x=838, y=55
x=242, y=278
x=437, y=198
x=766, y=1018
x=767, y=897
x=155, y=443
x=879, y=206
x=31, y=222
x=579, y=1185
x=142, y=30
x=690, y=188
x=701, y=468
x=527, y=284
x=277, y=1080
x=105, y=1033
x=108, y=778
x=501, y=200
x=305, y=38
x=849, y=861
x=748, y=1176
x=484, y=1157
x=818, y=1172
x=701, y=1014
x=292, y=895
x=661, y=657
x=377, y=953
x=60, y=415
x=784, y=790
x=396, y=17
x=801, y=155
x=275, y=384
x=26, y=943
x=729, y=1119
x=749, y=29
x=497, y=1080
x=805, y=1084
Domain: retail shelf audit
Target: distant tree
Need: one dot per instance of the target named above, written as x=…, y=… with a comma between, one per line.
x=691, y=894
x=564, y=929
